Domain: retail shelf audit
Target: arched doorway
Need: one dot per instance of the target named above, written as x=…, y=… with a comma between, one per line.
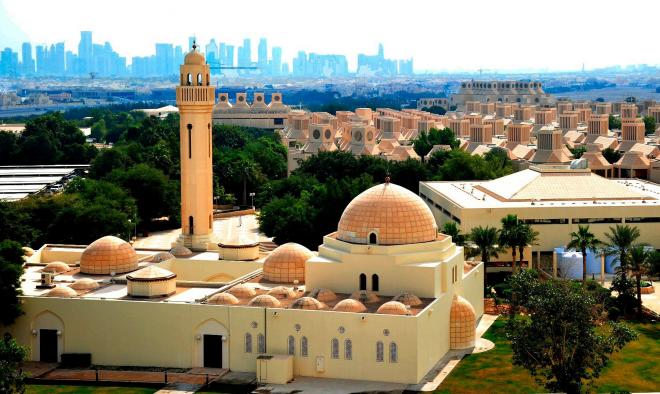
x=47, y=337
x=212, y=345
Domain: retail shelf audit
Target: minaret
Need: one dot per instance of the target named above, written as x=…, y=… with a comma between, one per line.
x=195, y=98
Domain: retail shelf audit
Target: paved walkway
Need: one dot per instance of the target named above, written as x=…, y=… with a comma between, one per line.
x=334, y=386
x=179, y=388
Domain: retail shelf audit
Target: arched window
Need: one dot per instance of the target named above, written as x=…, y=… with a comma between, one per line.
x=189, y=127
x=348, y=349
x=303, y=346
x=334, y=348
x=394, y=356
x=208, y=80
x=374, y=282
x=191, y=225
x=373, y=239
x=380, y=352
x=199, y=79
x=248, y=343
x=261, y=343
x=189, y=81
x=363, y=282
x=210, y=139
x=291, y=345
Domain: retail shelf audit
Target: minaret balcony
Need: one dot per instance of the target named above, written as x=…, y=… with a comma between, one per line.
x=195, y=95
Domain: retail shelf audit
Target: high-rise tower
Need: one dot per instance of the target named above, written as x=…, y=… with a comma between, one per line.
x=195, y=98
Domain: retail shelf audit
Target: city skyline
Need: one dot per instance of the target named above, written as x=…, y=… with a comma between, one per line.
x=446, y=43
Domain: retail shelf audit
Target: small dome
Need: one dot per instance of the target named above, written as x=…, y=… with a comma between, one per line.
x=462, y=323
x=350, y=305
x=393, y=308
x=282, y=292
x=160, y=257
x=265, y=301
x=308, y=303
x=150, y=274
x=242, y=290
x=323, y=295
x=56, y=267
x=390, y=214
x=27, y=251
x=194, y=57
x=62, y=292
x=365, y=297
x=180, y=251
x=222, y=299
x=84, y=284
x=108, y=254
x=407, y=299
x=287, y=263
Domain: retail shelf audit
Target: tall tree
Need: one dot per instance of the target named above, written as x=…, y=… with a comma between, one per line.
x=582, y=240
x=620, y=239
x=454, y=231
x=510, y=236
x=12, y=355
x=486, y=240
x=528, y=237
x=11, y=269
x=639, y=263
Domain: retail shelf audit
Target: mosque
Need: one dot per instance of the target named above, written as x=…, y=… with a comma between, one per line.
x=384, y=299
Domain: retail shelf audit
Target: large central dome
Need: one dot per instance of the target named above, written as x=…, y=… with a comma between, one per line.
x=387, y=214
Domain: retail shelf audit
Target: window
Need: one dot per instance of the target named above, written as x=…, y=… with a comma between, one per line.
x=596, y=220
x=380, y=356
x=291, y=345
x=334, y=348
x=189, y=127
x=208, y=80
x=248, y=343
x=363, y=282
x=374, y=282
x=394, y=357
x=191, y=225
x=348, y=349
x=210, y=139
x=189, y=81
x=643, y=220
x=278, y=121
x=261, y=343
x=199, y=79
x=545, y=221
x=303, y=346
x=373, y=239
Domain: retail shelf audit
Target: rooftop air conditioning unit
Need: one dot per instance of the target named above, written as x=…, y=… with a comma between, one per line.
x=46, y=281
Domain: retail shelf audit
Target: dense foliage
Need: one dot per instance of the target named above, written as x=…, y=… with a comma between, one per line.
x=12, y=355
x=11, y=269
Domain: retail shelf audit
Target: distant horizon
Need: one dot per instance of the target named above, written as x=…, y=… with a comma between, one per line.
x=447, y=43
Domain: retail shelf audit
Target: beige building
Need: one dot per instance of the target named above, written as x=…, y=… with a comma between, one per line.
x=256, y=114
x=501, y=92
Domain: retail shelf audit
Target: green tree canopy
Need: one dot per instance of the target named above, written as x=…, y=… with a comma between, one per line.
x=11, y=269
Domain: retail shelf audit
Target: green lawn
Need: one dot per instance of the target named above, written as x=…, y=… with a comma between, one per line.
x=61, y=389
x=631, y=369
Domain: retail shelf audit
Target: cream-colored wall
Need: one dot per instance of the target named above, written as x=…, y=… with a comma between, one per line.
x=246, y=253
x=203, y=270
x=471, y=287
x=151, y=288
x=433, y=334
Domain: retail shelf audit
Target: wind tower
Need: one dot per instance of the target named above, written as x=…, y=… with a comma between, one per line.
x=195, y=98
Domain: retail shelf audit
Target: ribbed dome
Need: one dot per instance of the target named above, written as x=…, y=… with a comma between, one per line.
x=151, y=273
x=287, y=263
x=62, y=292
x=194, y=58
x=308, y=303
x=56, y=267
x=108, y=254
x=364, y=296
x=462, y=323
x=264, y=301
x=394, y=214
x=242, y=291
x=323, y=295
x=84, y=284
x=350, y=305
x=407, y=299
x=393, y=308
x=222, y=299
x=282, y=292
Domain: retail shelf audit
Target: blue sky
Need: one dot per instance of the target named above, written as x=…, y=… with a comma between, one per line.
x=439, y=34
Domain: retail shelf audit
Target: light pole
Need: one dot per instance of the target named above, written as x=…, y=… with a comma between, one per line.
x=252, y=197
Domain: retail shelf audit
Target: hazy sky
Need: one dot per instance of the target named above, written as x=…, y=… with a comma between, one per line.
x=439, y=34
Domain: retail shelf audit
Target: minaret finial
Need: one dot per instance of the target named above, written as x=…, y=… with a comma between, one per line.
x=194, y=44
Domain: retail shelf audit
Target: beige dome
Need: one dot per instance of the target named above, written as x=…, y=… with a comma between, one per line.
x=160, y=257
x=84, y=284
x=62, y=292
x=350, y=305
x=308, y=303
x=323, y=295
x=56, y=267
x=365, y=297
x=151, y=273
x=222, y=299
x=108, y=254
x=462, y=323
x=394, y=214
x=407, y=299
x=393, y=308
x=27, y=251
x=264, y=301
x=287, y=263
x=242, y=291
x=282, y=292
x=194, y=57
x=181, y=251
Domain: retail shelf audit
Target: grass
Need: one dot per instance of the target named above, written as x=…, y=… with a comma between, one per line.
x=633, y=369
x=62, y=389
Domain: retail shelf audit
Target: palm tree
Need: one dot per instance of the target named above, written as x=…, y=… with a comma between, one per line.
x=486, y=239
x=452, y=229
x=582, y=240
x=639, y=260
x=528, y=236
x=621, y=238
x=510, y=236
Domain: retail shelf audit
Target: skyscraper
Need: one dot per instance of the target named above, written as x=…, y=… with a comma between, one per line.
x=245, y=54
x=229, y=56
x=27, y=62
x=85, y=52
x=276, y=61
x=212, y=55
x=262, y=54
x=164, y=59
